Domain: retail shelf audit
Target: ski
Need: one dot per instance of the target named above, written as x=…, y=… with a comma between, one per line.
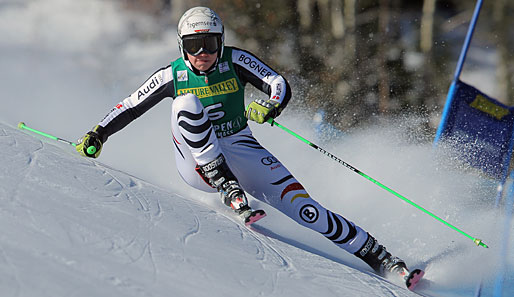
x=412, y=279
x=254, y=216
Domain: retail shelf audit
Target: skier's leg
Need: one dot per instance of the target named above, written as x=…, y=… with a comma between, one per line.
x=264, y=177
x=198, y=154
x=186, y=110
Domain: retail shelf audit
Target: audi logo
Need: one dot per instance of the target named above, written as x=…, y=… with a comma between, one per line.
x=269, y=160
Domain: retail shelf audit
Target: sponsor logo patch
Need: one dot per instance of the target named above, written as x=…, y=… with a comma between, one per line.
x=366, y=248
x=182, y=75
x=309, y=213
x=223, y=67
x=269, y=160
x=228, y=128
x=201, y=24
x=258, y=67
x=149, y=87
x=221, y=88
x=483, y=104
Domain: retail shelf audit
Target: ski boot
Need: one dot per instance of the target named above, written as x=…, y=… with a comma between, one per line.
x=385, y=264
x=219, y=176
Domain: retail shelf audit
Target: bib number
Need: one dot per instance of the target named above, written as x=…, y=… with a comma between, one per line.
x=214, y=115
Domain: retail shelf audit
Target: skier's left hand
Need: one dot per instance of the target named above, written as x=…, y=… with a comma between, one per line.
x=261, y=110
x=90, y=145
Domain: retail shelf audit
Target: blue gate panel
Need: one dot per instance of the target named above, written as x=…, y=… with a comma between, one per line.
x=480, y=127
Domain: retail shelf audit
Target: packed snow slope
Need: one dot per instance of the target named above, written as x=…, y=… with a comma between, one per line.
x=75, y=227
x=127, y=225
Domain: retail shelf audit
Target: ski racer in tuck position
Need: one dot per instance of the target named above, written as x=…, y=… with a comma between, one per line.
x=214, y=147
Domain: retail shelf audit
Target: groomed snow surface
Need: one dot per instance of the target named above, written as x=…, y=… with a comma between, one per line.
x=74, y=227
x=127, y=225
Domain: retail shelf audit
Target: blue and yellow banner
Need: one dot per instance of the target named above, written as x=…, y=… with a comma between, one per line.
x=481, y=128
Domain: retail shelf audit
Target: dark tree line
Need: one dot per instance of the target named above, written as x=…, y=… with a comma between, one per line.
x=356, y=60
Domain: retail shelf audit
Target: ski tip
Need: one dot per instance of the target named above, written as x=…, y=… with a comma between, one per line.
x=413, y=278
x=254, y=217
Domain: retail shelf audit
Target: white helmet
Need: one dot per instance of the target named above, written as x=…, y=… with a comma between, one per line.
x=199, y=20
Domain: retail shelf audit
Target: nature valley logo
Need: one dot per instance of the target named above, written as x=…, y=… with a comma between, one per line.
x=222, y=88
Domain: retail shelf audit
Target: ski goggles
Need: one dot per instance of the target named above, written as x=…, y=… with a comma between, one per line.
x=196, y=44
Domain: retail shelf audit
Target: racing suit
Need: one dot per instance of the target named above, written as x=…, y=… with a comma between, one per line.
x=207, y=119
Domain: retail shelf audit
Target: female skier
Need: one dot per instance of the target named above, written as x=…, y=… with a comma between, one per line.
x=214, y=147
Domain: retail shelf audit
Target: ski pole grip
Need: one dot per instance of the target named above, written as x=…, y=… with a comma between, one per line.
x=270, y=120
x=91, y=150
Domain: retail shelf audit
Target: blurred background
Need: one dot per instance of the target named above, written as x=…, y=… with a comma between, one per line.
x=352, y=61
x=352, y=64
x=349, y=62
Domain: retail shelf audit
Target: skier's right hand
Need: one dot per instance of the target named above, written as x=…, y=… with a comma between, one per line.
x=261, y=110
x=90, y=145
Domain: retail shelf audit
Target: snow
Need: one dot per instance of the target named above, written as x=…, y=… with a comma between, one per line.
x=127, y=225
x=76, y=227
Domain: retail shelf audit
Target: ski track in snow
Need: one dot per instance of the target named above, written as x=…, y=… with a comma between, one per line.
x=142, y=204
x=106, y=233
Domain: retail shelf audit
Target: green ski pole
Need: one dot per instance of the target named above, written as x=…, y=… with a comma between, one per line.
x=477, y=241
x=91, y=150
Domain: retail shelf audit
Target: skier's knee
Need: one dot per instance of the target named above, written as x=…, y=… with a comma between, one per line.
x=188, y=102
